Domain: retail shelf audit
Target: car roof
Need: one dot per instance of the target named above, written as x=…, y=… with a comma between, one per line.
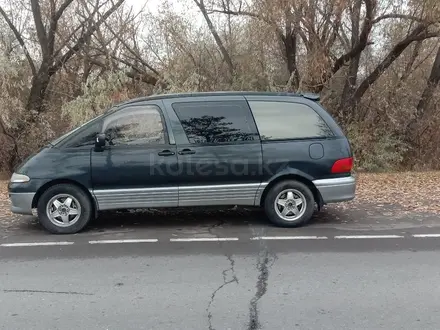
x=310, y=96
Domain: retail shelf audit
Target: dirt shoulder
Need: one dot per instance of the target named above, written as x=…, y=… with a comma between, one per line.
x=380, y=199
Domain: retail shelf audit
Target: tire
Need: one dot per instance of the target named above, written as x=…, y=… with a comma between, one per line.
x=53, y=198
x=303, y=212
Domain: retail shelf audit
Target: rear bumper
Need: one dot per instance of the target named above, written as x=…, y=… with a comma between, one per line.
x=21, y=203
x=337, y=189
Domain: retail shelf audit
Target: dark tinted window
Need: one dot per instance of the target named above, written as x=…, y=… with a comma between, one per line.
x=84, y=134
x=216, y=122
x=85, y=137
x=136, y=126
x=284, y=120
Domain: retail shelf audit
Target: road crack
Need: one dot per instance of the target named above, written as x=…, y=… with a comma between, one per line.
x=229, y=276
x=47, y=291
x=265, y=261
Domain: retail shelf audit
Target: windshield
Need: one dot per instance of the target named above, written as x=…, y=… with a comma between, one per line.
x=61, y=138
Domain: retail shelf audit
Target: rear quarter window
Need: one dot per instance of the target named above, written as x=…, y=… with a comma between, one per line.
x=287, y=121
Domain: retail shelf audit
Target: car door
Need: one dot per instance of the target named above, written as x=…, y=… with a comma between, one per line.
x=219, y=150
x=135, y=168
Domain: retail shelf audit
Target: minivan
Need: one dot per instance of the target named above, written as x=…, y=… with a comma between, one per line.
x=279, y=151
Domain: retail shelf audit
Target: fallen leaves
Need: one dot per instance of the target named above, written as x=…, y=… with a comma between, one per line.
x=413, y=191
x=4, y=199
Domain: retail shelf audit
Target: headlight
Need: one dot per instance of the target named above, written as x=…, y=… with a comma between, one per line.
x=19, y=178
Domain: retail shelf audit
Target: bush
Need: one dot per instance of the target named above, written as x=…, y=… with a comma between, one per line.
x=376, y=150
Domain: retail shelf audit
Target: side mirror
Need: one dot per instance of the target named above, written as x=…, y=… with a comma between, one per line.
x=100, y=141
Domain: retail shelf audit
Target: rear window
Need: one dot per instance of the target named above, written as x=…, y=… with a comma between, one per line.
x=285, y=120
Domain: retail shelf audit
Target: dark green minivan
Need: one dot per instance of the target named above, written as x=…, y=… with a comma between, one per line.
x=280, y=151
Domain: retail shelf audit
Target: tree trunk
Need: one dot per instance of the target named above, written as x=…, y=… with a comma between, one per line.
x=289, y=43
x=351, y=81
x=432, y=83
x=12, y=158
x=37, y=94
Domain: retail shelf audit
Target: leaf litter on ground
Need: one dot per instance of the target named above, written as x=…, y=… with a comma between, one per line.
x=412, y=191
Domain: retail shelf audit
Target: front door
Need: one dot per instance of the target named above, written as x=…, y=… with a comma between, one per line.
x=132, y=170
x=219, y=151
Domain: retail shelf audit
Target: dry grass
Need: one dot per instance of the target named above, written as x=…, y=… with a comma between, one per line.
x=417, y=191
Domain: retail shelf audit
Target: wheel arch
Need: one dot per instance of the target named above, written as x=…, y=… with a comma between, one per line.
x=52, y=183
x=297, y=177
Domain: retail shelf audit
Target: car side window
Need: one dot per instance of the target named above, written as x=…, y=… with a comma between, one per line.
x=85, y=137
x=216, y=122
x=139, y=125
x=288, y=120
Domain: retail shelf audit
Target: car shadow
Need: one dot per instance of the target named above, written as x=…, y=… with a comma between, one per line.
x=178, y=219
x=234, y=217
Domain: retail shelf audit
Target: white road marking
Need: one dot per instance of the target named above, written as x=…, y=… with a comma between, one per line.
x=204, y=239
x=218, y=239
x=367, y=236
x=287, y=238
x=121, y=241
x=36, y=244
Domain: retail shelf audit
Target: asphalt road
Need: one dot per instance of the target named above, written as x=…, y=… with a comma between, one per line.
x=281, y=284
x=222, y=275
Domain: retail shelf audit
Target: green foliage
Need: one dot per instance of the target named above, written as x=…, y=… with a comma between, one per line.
x=375, y=150
x=99, y=93
x=13, y=86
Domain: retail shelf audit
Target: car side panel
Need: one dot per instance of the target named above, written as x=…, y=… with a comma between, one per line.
x=53, y=164
x=294, y=157
x=48, y=165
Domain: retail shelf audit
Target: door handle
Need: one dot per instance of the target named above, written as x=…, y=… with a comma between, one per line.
x=166, y=153
x=187, y=152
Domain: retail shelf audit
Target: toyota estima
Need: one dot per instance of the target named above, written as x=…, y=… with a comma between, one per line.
x=279, y=151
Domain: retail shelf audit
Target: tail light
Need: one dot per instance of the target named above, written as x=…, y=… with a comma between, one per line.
x=343, y=165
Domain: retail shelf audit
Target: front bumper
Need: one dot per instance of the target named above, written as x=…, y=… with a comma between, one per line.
x=21, y=203
x=337, y=189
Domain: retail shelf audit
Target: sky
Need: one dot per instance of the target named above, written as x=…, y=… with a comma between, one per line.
x=153, y=5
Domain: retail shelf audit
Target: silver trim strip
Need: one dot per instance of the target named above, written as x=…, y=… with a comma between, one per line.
x=334, y=181
x=113, y=199
x=337, y=189
x=21, y=203
x=227, y=194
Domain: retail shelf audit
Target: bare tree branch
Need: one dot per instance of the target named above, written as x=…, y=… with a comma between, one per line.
x=218, y=40
x=54, y=23
x=20, y=40
x=39, y=27
x=370, y=6
x=419, y=33
x=134, y=53
x=401, y=16
x=81, y=41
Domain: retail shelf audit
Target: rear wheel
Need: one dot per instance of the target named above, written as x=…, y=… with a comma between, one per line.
x=289, y=204
x=64, y=209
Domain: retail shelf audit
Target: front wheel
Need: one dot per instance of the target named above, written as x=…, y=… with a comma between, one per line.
x=289, y=204
x=64, y=209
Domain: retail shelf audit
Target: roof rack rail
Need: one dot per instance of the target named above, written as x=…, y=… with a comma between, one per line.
x=310, y=96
